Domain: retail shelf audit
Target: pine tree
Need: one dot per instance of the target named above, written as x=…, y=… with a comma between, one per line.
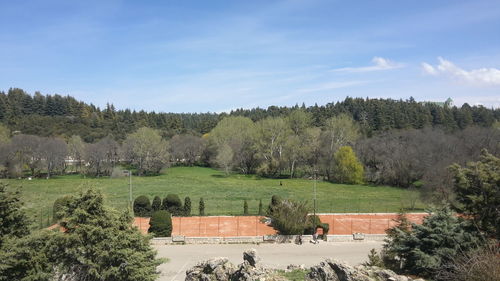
x=98, y=244
x=187, y=206
x=261, y=211
x=245, y=207
x=13, y=221
x=202, y=207
x=156, y=205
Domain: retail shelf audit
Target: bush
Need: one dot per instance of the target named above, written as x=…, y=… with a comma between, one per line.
x=481, y=264
x=260, y=208
x=173, y=204
x=160, y=224
x=156, y=205
x=289, y=217
x=426, y=248
x=202, y=207
x=187, y=206
x=245, y=207
x=59, y=205
x=275, y=201
x=142, y=206
x=313, y=223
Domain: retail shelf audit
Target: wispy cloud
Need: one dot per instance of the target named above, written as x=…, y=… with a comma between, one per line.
x=481, y=76
x=379, y=63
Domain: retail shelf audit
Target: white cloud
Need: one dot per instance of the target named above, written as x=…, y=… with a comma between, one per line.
x=481, y=76
x=379, y=64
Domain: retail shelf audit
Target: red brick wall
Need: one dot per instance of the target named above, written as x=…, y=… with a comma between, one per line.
x=226, y=226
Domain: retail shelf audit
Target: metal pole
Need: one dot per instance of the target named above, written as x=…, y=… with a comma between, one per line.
x=130, y=186
x=315, y=193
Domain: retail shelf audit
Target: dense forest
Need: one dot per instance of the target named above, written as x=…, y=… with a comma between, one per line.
x=377, y=141
x=64, y=116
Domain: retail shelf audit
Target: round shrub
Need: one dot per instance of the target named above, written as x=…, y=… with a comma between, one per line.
x=59, y=205
x=142, y=206
x=160, y=224
x=156, y=205
x=173, y=204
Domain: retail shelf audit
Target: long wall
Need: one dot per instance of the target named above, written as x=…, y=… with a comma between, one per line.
x=236, y=226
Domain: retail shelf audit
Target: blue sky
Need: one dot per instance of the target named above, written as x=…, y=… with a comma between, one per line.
x=199, y=56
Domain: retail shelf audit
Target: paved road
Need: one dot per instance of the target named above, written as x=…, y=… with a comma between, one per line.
x=183, y=257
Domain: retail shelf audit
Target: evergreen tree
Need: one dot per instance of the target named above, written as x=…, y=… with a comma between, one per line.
x=202, y=207
x=245, y=207
x=261, y=211
x=156, y=205
x=99, y=244
x=427, y=247
x=160, y=224
x=478, y=192
x=187, y=206
x=13, y=221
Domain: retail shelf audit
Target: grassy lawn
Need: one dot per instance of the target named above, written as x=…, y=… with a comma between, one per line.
x=223, y=195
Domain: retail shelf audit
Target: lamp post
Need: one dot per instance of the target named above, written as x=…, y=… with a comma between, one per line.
x=129, y=173
x=314, y=187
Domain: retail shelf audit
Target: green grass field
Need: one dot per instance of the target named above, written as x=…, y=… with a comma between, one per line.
x=223, y=195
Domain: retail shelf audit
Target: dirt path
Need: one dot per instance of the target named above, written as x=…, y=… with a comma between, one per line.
x=183, y=257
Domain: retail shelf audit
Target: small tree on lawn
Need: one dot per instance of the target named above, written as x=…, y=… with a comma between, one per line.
x=245, y=207
x=156, y=205
x=202, y=207
x=160, y=224
x=187, y=206
x=173, y=204
x=347, y=168
x=260, y=208
x=142, y=206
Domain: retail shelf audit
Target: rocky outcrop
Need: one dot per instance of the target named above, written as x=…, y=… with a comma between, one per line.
x=220, y=269
x=333, y=270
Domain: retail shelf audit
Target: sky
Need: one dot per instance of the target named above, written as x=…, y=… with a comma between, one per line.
x=214, y=56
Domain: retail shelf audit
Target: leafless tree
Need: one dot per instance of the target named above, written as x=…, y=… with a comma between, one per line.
x=101, y=157
x=186, y=149
x=53, y=152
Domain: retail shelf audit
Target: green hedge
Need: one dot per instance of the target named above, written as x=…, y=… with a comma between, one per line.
x=142, y=206
x=160, y=224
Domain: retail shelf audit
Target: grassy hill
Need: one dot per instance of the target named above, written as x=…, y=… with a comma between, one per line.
x=223, y=195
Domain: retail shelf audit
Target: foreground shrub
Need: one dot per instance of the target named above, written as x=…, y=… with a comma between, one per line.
x=481, y=264
x=142, y=206
x=289, y=217
x=173, y=204
x=424, y=249
x=59, y=206
x=160, y=224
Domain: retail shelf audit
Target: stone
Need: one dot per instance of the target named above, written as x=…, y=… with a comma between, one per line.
x=293, y=267
x=322, y=272
x=251, y=257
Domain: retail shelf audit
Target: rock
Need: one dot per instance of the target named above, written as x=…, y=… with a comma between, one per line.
x=293, y=267
x=220, y=269
x=322, y=272
x=339, y=271
x=216, y=269
x=251, y=257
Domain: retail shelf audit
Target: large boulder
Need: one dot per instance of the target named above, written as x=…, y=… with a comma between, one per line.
x=251, y=257
x=216, y=269
x=333, y=270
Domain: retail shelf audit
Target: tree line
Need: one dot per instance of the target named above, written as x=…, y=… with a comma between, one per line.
x=56, y=115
